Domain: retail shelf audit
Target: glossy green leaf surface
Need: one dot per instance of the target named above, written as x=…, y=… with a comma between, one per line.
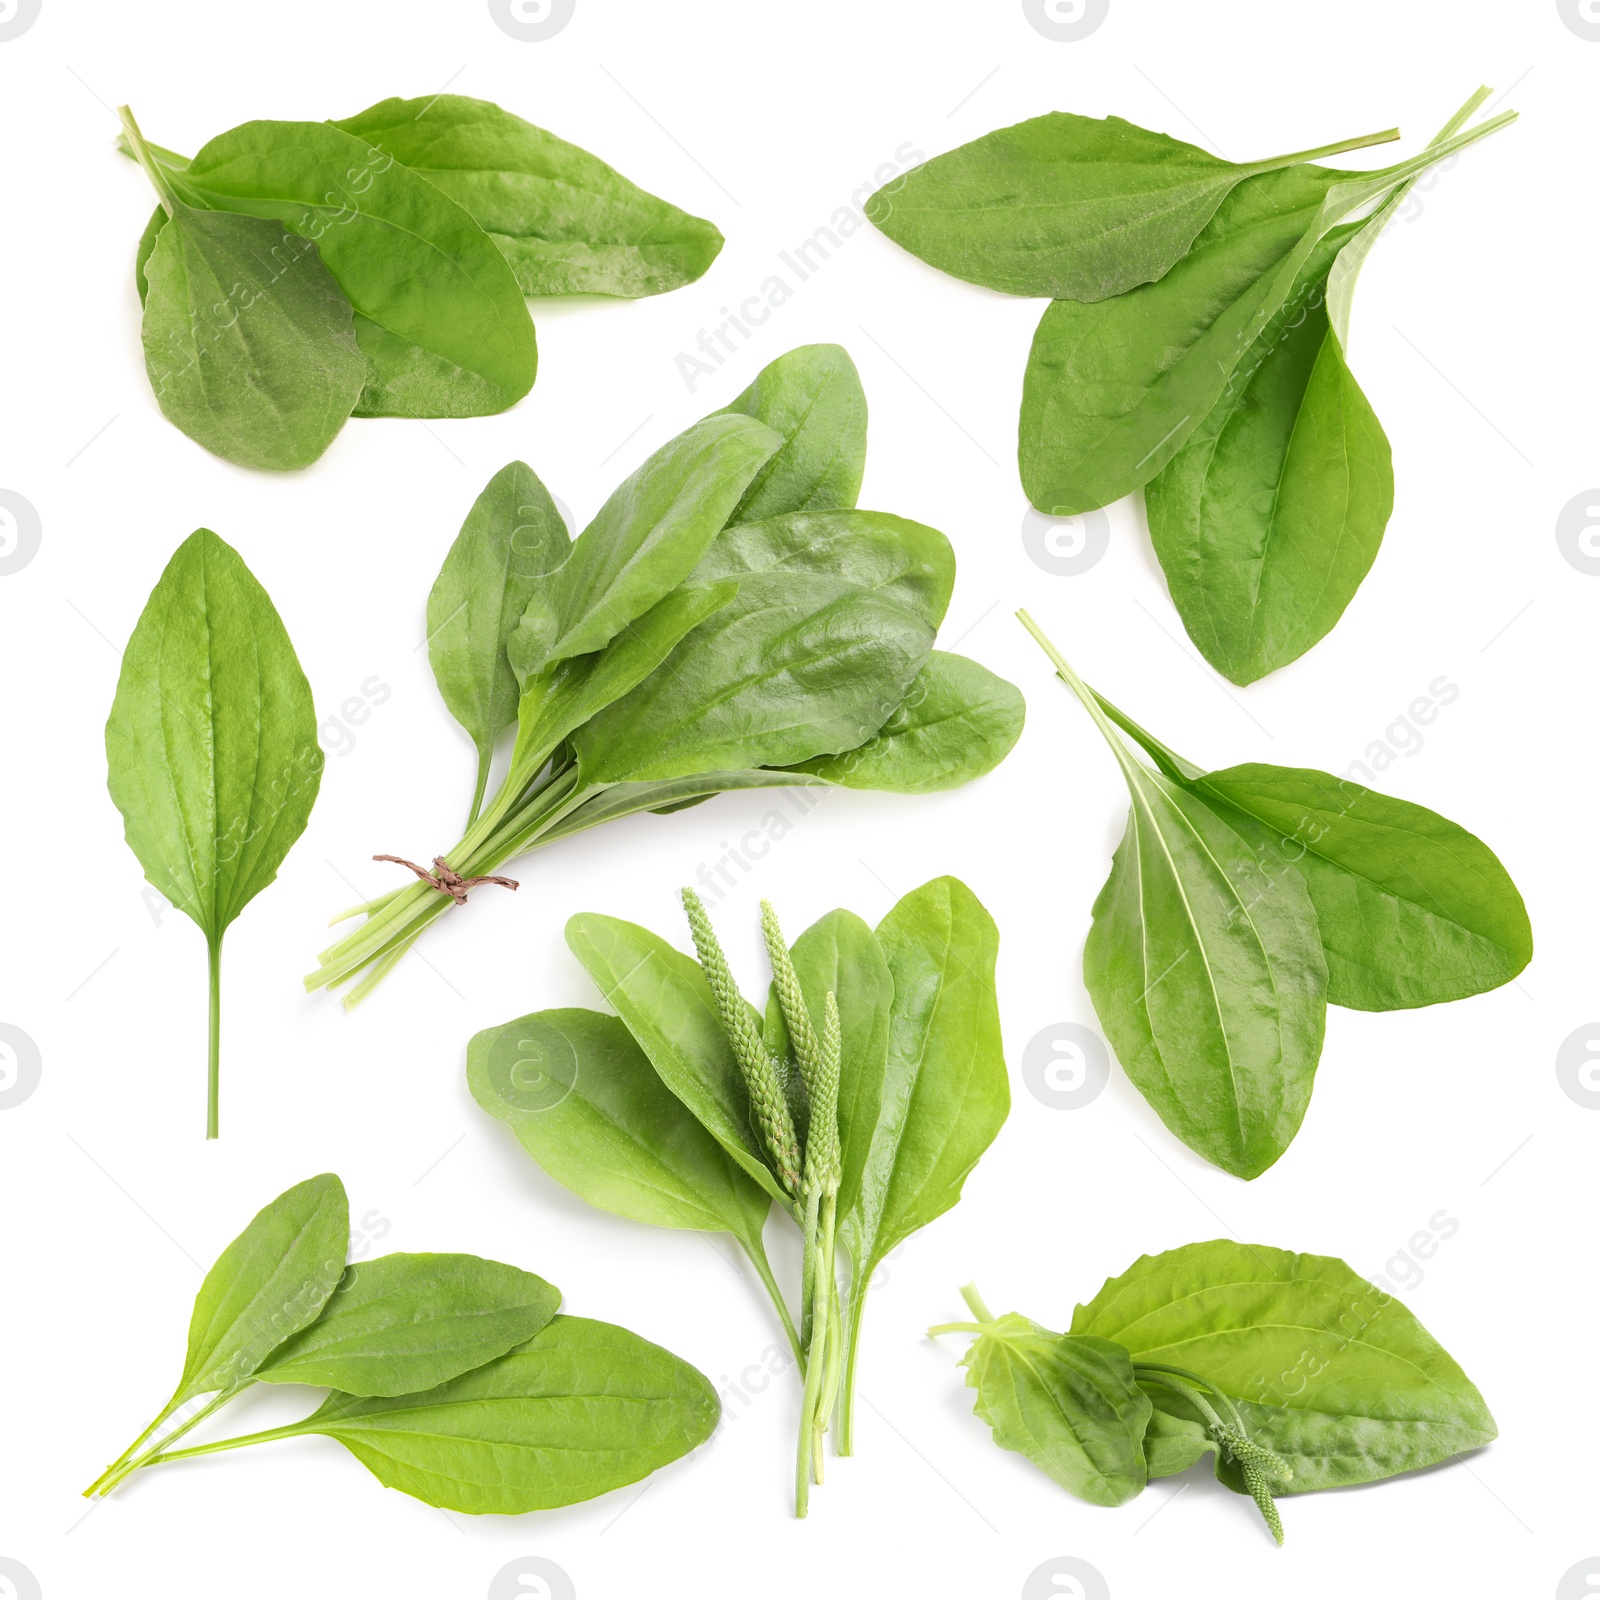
x=407, y=1322
x=1412, y=909
x=1064, y=206
x=663, y=999
x=811, y=397
x=1270, y=516
x=1173, y=1444
x=945, y=1093
x=649, y=535
x=795, y=665
x=565, y=221
x=957, y=721
x=271, y=1282
x=1068, y=1402
x=588, y=1106
x=512, y=538
x=1335, y=1375
x=212, y=740
x=439, y=316
x=582, y=1408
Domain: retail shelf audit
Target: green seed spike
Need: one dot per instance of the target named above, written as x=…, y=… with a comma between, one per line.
x=1255, y=1480
x=760, y=1072
x=823, y=1160
x=791, y=1000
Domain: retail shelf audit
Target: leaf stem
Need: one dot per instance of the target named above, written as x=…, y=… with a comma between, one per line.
x=485, y=761
x=290, y=1430
x=852, y=1348
x=975, y=1304
x=128, y=1462
x=214, y=1034
x=1386, y=136
x=758, y=1259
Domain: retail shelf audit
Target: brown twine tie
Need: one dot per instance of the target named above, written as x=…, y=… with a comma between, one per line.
x=446, y=879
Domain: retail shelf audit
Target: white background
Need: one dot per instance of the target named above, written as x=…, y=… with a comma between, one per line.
x=1475, y=338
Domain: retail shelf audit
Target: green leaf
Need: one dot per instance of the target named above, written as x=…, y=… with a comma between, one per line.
x=793, y=666
x=439, y=316
x=211, y=745
x=1413, y=910
x=582, y=1408
x=840, y=954
x=271, y=1282
x=944, y=1094
x=1173, y=1444
x=1332, y=1373
x=811, y=397
x=248, y=340
x=665, y=1002
x=1066, y=207
x=957, y=722
x=588, y=1106
x=905, y=562
x=512, y=538
x=1205, y=968
x=566, y=222
x=650, y=533
x=404, y=1323
x=1271, y=515
x=1069, y=1403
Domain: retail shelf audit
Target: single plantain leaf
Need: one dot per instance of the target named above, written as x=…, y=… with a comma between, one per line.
x=1271, y=515
x=944, y=1094
x=1205, y=968
x=795, y=665
x=211, y=745
x=271, y=1282
x=1066, y=207
x=812, y=398
x=647, y=537
x=903, y=561
x=403, y=1323
x=957, y=722
x=588, y=1106
x=665, y=1002
x=1332, y=1373
x=439, y=317
x=1068, y=1402
x=248, y=340
x=566, y=222
x=512, y=538
x=582, y=1408
x=1413, y=909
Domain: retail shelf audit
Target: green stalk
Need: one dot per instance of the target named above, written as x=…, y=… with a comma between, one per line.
x=485, y=761
x=758, y=1259
x=292, y=1430
x=852, y=1344
x=214, y=1040
x=128, y=1463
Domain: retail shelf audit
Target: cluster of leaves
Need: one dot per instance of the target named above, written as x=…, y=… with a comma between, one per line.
x=1195, y=347
x=1242, y=903
x=729, y=620
x=450, y=1378
x=211, y=747
x=1293, y=1370
x=858, y=1099
x=297, y=273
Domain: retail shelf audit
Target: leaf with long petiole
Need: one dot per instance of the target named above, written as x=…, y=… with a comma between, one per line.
x=211, y=748
x=1270, y=516
x=1067, y=207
